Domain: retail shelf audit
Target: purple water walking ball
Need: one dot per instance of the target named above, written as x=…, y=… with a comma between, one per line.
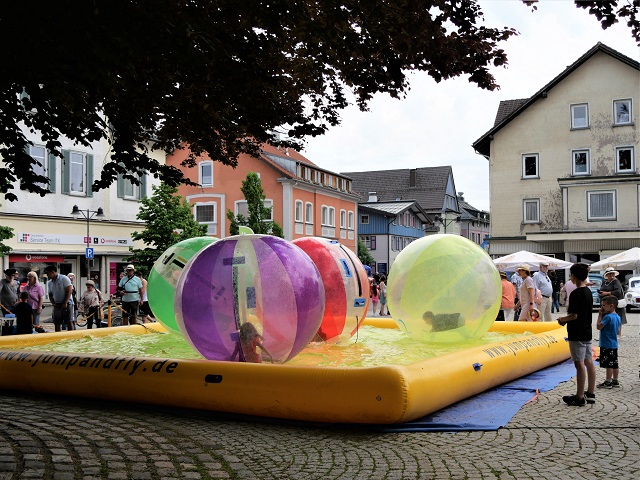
x=250, y=298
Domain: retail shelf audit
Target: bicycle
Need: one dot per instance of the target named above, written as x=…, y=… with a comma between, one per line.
x=116, y=315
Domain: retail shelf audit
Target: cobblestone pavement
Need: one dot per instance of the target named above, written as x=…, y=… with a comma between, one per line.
x=64, y=438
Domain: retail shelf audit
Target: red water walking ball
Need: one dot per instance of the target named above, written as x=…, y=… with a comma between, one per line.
x=346, y=287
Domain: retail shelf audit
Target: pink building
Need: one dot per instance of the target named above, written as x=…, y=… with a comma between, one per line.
x=306, y=200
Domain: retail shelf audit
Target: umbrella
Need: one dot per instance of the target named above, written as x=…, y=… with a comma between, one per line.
x=627, y=260
x=511, y=261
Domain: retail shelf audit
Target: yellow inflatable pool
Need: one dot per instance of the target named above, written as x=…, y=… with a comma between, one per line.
x=377, y=395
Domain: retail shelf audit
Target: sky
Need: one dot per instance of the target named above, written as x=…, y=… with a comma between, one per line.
x=436, y=123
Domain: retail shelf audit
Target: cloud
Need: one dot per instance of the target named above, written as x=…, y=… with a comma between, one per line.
x=437, y=122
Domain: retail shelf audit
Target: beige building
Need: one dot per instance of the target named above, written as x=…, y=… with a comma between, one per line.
x=45, y=232
x=563, y=163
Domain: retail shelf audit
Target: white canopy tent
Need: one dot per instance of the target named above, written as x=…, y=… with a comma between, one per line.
x=627, y=260
x=511, y=261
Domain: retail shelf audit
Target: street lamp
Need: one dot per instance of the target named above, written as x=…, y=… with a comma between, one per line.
x=445, y=223
x=88, y=214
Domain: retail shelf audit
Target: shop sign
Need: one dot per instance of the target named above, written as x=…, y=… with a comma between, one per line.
x=32, y=258
x=58, y=239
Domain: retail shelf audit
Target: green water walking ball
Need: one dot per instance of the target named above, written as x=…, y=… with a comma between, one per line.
x=164, y=278
x=444, y=288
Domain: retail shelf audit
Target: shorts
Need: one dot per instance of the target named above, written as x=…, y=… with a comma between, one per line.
x=61, y=315
x=130, y=309
x=144, y=309
x=609, y=357
x=580, y=350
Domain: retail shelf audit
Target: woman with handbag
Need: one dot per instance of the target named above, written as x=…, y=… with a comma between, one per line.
x=91, y=305
x=612, y=286
x=36, y=296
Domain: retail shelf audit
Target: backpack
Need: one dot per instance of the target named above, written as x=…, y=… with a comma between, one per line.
x=537, y=296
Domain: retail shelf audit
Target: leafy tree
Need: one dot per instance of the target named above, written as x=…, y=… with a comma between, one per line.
x=258, y=213
x=5, y=234
x=363, y=254
x=169, y=220
x=221, y=76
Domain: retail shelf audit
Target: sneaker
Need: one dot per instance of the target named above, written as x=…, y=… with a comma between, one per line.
x=605, y=384
x=590, y=397
x=574, y=401
x=615, y=383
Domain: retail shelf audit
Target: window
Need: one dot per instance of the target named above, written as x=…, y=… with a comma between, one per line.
x=601, y=205
x=343, y=219
x=41, y=167
x=328, y=216
x=242, y=208
x=530, y=165
x=205, y=213
x=205, y=175
x=299, y=211
x=531, y=210
x=625, y=160
x=579, y=116
x=308, y=217
x=39, y=155
x=580, y=164
x=77, y=173
x=130, y=190
x=369, y=241
x=350, y=221
x=364, y=219
x=622, y=113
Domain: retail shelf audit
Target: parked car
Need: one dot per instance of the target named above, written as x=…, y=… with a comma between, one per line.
x=595, y=279
x=633, y=294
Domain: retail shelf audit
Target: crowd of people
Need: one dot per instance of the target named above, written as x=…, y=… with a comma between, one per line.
x=378, y=294
x=22, y=307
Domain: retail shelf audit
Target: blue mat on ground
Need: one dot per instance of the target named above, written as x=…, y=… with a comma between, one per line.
x=492, y=409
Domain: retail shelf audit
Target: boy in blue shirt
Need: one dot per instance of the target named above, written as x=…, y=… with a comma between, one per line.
x=609, y=324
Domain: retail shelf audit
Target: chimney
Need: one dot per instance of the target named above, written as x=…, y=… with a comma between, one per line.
x=413, y=176
x=373, y=197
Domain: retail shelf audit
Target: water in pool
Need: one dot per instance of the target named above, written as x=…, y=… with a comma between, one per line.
x=372, y=347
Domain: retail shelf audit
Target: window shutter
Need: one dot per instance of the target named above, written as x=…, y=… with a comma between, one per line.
x=66, y=172
x=120, y=186
x=51, y=172
x=142, y=191
x=89, y=177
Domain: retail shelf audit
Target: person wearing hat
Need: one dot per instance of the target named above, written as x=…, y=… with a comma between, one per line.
x=9, y=287
x=542, y=282
x=527, y=292
x=612, y=286
x=507, y=306
x=131, y=288
x=91, y=305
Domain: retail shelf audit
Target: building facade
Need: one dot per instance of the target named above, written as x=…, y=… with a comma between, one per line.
x=564, y=177
x=386, y=228
x=47, y=233
x=306, y=200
